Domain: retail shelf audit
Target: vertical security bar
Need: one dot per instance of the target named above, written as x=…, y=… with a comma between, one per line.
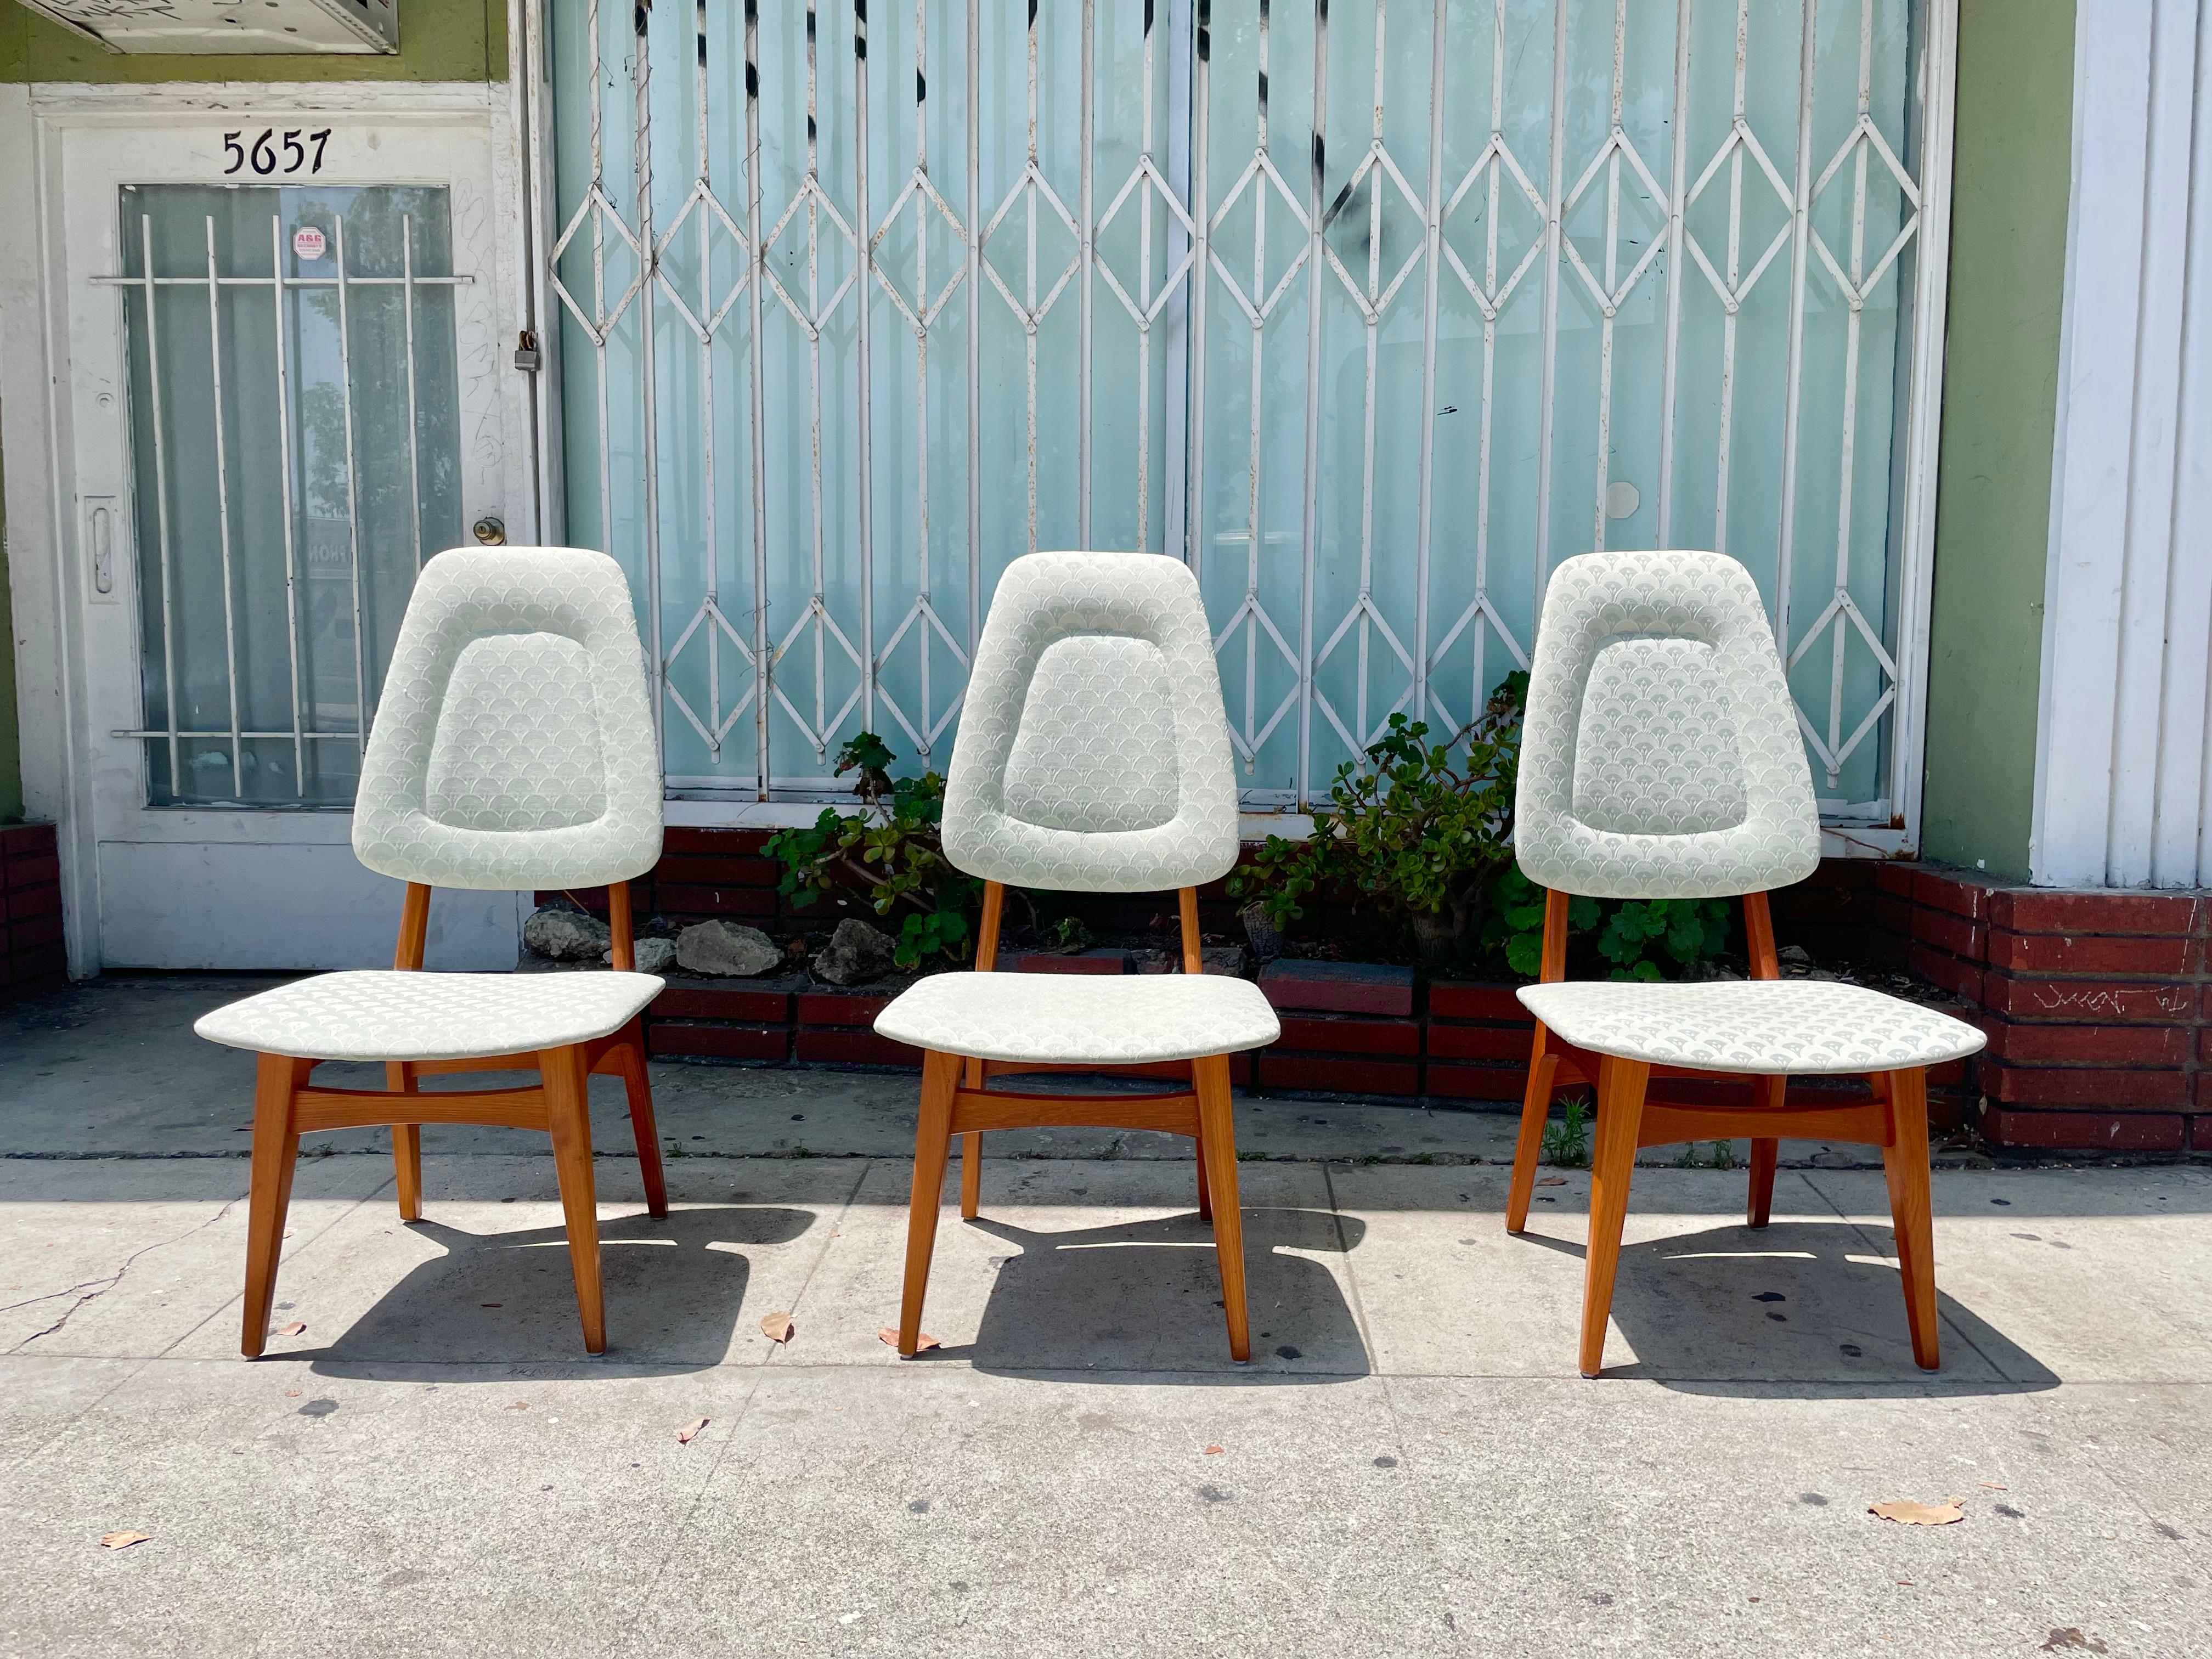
x=758, y=265
x=222, y=514
x=353, y=493
x=414, y=422
x=284, y=467
x=162, y=503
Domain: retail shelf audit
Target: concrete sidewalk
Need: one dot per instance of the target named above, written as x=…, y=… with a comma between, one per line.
x=1409, y=1465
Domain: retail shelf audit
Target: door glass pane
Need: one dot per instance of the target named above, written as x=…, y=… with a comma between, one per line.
x=295, y=455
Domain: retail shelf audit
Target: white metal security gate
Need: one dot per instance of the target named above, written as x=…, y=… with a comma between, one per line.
x=1371, y=315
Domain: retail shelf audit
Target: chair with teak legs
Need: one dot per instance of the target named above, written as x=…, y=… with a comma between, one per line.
x=513, y=749
x=1660, y=759
x=1093, y=756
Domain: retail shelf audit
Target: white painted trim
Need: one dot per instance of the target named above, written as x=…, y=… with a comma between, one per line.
x=159, y=102
x=2122, y=725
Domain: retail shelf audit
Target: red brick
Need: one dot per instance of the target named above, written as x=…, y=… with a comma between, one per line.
x=1343, y=1034
x=827, y=1008
x=758, y=1007
x=2087, y=1001
x=1893, y=915
x=1894, y=878
x=1946, y=932
x=1357, y=1077
x=678, y=899
x=2103, y=1132
x=2033, y=910
x=1959, y=892
x=1951, y=1074
x=855, y=1049
x=771, y=1042
x=1477, y=1082
x=1338, y=988
x=1960, y=978
x=46, y=962
x=1103, y=961
x=1718, y=1089
x=42, y=900
x=2200, y=1135
x=33, y=871
x=24, y=841
x=2146, y=957
x=702, y=870
x=2087, y=1045
x=32, y=933
x=1476, y=1001
x=701, y=838
x=1456, y=1042
x=2116, y=1088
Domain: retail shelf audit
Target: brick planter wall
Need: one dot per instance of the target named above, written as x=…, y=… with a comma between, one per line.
x=2099, y=1004
x=31, y=956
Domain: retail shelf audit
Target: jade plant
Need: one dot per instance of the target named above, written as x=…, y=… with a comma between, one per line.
x=890, y=851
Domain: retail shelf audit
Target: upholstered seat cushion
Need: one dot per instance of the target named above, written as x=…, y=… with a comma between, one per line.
x=384, y=1015
x=1081, y=1018
x=1790, y=1026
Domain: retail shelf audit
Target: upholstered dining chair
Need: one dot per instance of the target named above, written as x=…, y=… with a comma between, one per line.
x=1660, y=760
x=513, y=749
x=1093, y=756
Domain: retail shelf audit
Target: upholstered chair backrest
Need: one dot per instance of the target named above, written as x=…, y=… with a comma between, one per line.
x=1661, y=758
x=513, y=743
x=1093, y=753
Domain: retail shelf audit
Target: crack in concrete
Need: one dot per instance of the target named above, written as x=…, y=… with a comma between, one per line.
x=93, y=1289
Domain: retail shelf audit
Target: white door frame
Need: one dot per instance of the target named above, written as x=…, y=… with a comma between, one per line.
x=146, y=887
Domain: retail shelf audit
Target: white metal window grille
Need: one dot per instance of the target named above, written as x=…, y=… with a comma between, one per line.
x=295, y=430
x=1372, y=314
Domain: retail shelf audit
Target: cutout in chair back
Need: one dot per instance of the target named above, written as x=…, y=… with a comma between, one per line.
x=1093, y=754
x=513, y=745
x=1096, y=748
x=1655, y=752
x=1660, y=756
x=517, y=741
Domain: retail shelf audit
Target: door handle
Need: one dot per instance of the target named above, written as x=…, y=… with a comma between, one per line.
x=99, y=541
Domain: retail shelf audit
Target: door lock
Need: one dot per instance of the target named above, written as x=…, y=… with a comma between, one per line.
x=490, y=530
x=99, y=512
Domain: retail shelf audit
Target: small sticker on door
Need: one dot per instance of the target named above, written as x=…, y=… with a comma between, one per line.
x=308, y=242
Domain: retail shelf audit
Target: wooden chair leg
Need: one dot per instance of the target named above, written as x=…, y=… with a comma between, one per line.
x=1613, y=1160
x=406, y=1145
x=569, y=1116
x=1204, y=1180
x=269, y=1192
x=1767, y=1094
x=629, y=1056
x=1217, y=1140
x=1905, y=1162
x=1535, y=1107
x=933, y=1146
x=972, y=1173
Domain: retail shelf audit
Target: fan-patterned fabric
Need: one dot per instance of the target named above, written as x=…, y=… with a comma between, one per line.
x=1647, y=789
x=1039, y=791
x=1777, y=1026
x=1081, y=1019
x=513, y=747
x=384, y=1014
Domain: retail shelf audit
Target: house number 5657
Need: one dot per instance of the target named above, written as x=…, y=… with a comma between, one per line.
x=270, y=151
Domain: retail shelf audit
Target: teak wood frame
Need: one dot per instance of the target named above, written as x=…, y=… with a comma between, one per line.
x=956, y=1099
x=1895, y=1120
x=285, y=1107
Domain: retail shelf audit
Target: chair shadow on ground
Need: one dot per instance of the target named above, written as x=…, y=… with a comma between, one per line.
x=673, y=1289
x=1809, y=1308
x=1140, y=1301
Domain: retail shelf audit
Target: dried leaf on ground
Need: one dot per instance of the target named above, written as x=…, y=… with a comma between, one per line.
x=777, y=1327
x=291, y=1394
x=890, y=1335
x=2072, y=1639
x=295, y=1328
x=123, y=1540
x=1214, y=1451
x=1921, y=1515
x=519, y=1405
x=689, y=1431
x=1992, y=1486
x=1552, y=1180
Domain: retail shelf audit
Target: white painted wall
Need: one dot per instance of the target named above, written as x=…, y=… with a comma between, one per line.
x=2122, y=771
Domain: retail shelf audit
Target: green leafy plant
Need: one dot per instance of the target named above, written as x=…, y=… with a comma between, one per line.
x=1070, y=934
x=1423, y=831
x=1638, y=939
x=1566, y=1142
x=890, y=851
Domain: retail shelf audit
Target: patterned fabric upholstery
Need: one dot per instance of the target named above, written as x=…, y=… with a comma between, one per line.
x=515, y=746
x=1661, y=758
x=1775, y=1026
x=1081, y=1018
x=1093, y=754
x=388, y=1015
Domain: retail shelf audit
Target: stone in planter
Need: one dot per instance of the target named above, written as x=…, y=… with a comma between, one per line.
x=855, y=954
x=652, y=956
x=727, y=949
x=566, y=935
x=1229, y=960
x=1265, y=939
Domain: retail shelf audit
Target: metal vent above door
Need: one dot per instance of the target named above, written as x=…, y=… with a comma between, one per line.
x=231, y=26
